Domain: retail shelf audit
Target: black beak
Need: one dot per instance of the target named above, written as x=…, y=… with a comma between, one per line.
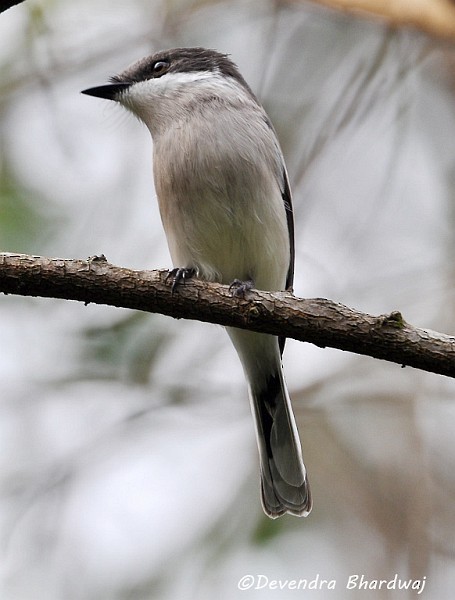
x=110, y=91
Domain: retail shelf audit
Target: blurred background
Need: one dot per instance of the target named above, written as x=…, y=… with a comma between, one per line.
x=129, y=466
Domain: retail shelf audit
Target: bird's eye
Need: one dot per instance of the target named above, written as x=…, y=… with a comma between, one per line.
x=160, y=67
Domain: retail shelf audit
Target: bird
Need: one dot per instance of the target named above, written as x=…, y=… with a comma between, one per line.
x=225, y=204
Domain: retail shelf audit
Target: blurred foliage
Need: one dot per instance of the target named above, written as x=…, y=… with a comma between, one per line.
x=267, y=529
x=26, y=218
x=124, y=350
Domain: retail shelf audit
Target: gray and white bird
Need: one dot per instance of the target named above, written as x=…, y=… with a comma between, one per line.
x=225, y=204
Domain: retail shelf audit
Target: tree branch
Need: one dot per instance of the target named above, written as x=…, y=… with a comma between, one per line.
x=436, y=18
x=318, y=321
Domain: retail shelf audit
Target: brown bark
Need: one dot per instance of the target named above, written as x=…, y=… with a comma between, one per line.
x=316, y=320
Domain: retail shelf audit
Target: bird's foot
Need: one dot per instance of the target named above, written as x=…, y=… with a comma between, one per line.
x=180, y=275
x=239, y=288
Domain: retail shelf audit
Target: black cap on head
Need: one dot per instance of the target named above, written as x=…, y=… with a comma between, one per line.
x=177, y=60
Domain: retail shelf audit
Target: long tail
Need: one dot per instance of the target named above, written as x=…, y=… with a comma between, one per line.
x=284, y=482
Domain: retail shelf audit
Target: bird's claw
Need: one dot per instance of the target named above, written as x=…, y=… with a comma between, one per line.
x=239, y=288
x=179, y=275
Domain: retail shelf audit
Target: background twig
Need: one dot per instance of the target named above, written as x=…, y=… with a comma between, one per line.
x=436, y=17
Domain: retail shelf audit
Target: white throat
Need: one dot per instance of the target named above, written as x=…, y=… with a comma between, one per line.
x=166, y=99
